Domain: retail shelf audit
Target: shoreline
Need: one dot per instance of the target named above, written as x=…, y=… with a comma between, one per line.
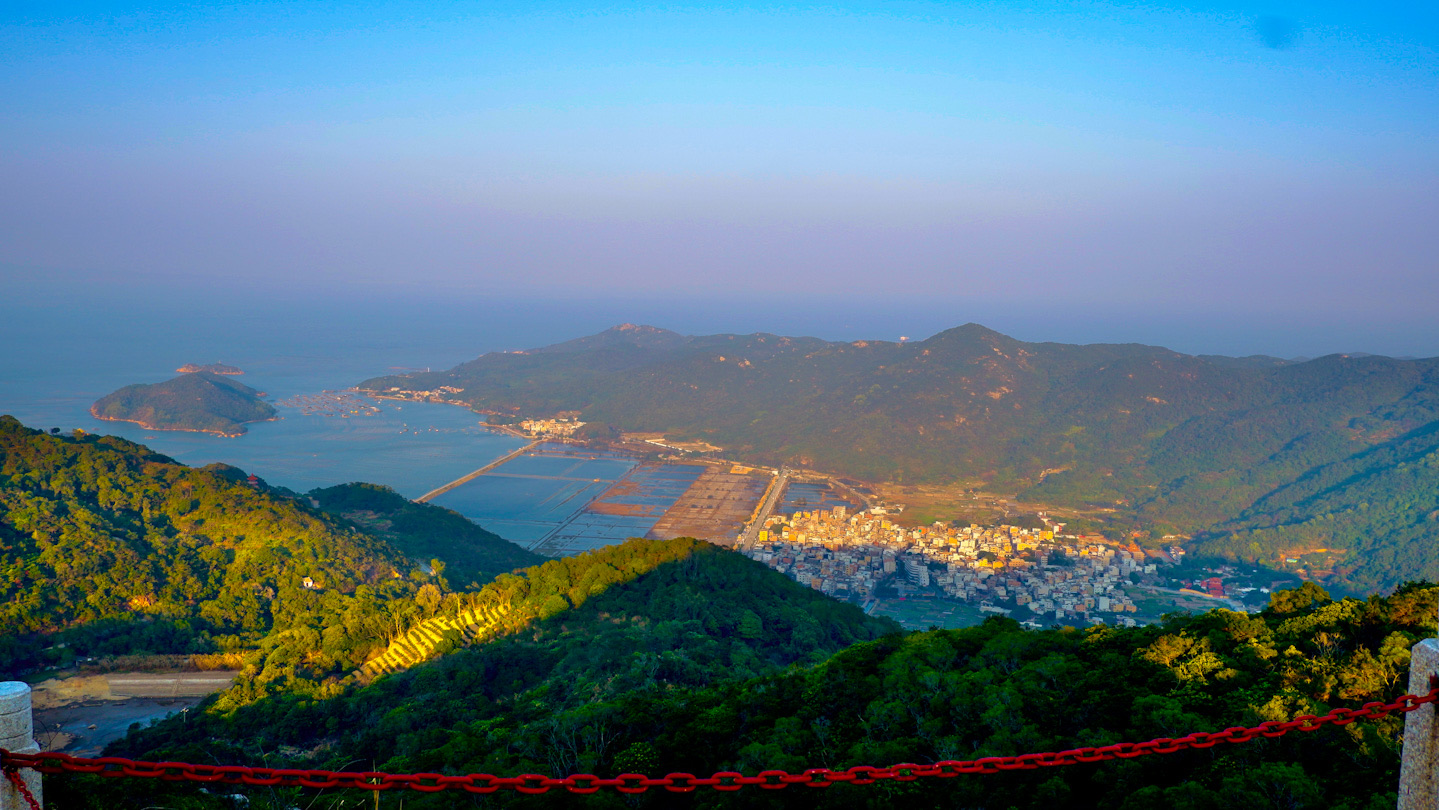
x=146, y=425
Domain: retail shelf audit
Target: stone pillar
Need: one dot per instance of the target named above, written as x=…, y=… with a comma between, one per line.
x=1419, y=770
x=17, y=736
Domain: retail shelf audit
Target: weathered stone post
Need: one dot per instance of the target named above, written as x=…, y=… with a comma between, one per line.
x=1419, y=769
x=17, y=734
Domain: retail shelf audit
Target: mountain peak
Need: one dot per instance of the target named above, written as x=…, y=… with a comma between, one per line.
x=621, y=336
x=640, y=329
x=971, y=333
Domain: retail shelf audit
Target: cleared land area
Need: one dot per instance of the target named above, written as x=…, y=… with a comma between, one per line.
x=715, y=507
x=627, y=508
x=816, y=495
x=965, y=502
x=923, y=612
x=1153, y=602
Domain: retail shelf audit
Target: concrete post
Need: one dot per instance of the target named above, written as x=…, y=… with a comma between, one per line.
x=1419, y=769
x=17, y=735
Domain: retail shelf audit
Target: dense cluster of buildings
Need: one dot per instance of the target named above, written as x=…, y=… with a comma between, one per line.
x=551, y=427
x=445, y=394
x=1031, y=574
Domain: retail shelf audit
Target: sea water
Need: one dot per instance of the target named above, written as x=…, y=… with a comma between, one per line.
x=59, y=354
x=61, y=349
x=64, y=343
x=533, y=496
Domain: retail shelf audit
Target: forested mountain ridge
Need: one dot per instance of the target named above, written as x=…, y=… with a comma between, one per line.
x=1170, y=441
x=111, y=548
x=728, y=599
x=1381, y=506
x=592, y=691
x=200, y=401
x=713, y=610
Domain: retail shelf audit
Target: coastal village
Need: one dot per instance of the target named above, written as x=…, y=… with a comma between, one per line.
x=562, y=427
x=1035, y=575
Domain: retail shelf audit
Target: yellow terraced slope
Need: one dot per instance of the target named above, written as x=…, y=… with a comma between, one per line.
x=473, y=624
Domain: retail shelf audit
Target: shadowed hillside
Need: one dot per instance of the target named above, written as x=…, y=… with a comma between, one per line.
x=424, y=532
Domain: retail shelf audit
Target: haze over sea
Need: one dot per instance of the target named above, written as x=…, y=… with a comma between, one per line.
x=78, y=353
x=71, y=344
x=319, y=194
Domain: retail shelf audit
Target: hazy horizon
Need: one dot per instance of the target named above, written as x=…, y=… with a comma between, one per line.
x=442, y=329
x=1159, y=166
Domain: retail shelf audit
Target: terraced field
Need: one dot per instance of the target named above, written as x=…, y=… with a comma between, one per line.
x=421, y=642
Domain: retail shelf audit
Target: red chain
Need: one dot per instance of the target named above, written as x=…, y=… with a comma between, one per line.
x=686, y=782
x=19, y=783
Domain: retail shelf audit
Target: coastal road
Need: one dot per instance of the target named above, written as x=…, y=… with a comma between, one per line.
x=771, y=500
x=435, y=493
x=183, y=684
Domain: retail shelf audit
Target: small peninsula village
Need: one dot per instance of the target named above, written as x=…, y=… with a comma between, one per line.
x=835, y=536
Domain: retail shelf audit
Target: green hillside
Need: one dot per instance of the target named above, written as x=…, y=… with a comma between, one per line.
x=638, y=680
x=201, y=401
x=647, y=617
x=1379, y=509
x=1168, y=441
x=109, y=548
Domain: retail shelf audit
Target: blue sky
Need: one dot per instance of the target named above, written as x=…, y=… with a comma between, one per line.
x=1226, y=158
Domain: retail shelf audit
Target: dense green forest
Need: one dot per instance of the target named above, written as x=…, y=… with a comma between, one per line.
x=669, y=672
x=199, y=401
x=1176, y=443
x=1381, y=506
x=107, y=547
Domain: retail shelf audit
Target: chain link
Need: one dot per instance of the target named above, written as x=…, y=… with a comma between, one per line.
x=118, y=767
x=19, y=783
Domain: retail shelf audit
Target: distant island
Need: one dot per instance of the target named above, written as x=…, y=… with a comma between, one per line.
x=210, y=368
x=201, y=401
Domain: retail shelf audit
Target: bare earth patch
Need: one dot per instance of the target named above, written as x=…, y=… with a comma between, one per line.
x=82, y=714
